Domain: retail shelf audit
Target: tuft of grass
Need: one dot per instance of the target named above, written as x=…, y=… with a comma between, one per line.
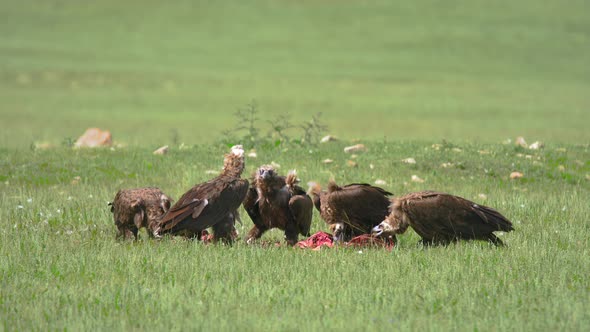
x=61, y=267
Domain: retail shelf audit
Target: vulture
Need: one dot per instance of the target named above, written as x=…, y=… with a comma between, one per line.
x=136, y=208
x=351, y=210
x=441, y=218
x=275, y=201
x=210, y=204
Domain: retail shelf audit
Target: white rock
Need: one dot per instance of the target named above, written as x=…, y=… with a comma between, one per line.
x=416, y=178
x=328, y=138
x=520, y=142
x=327, y=161
x=516, y=175
x=409, y=161
x=161, y=150
x=536, y=146
x=380, y=182
x=355, y=148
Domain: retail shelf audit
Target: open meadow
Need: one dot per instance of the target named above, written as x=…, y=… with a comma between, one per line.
x=444, y=83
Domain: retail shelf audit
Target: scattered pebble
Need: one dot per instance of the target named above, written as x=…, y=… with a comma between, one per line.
x=457, y=150
x=43, y=146
x=528, y=156
x=162, y=150
x=416, y=178
x=409, y=161
x=275, y=165
x=446, y=165
x=536, y=146
x=327, y=161
x=76, y=180
x=354, y=156
x=29, y=200
x=380, y=182
x=252, y=154
x=436, y=146
x=482, y=196
x=355, y=148
x=561, y=168
x=211, y=172
x=328, y=138
x=371, y=166
x=520, y=142
x=20, y=207
x=516, y=175
x=351, y=163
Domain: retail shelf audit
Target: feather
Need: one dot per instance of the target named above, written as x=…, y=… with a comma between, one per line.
x=134, y=209
x=442, y=218
x=353, y=209
x=210, y=204
x=276, y=201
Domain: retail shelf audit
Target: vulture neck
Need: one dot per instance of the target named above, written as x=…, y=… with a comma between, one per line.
x=232, y=166
x=270, y=186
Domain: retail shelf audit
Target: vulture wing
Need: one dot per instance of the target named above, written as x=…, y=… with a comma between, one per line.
x=440, y=213
x=362, y=202
x=301, y=208
x=206, y=204
x=251, y=205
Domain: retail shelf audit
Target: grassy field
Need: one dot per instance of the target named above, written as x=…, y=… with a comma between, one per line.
x=425, y=70
x=62, y=268
x=444, y=83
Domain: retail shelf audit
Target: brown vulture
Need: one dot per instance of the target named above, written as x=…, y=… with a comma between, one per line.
x=136, y=208
x=441, y=218
x=210, y=204
x=275, y=201
x=351, y=210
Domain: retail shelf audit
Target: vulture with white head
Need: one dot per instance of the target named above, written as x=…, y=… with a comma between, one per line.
x=210, y=204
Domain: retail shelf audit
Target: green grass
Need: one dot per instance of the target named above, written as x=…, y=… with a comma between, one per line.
x=464, y=75
x=424, y=70
x=62, y=267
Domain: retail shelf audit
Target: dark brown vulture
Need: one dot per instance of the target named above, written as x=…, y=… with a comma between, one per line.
x=351, y=210
x=276, y=201
x=441, y=218
x=210, y=204
x=136, y=208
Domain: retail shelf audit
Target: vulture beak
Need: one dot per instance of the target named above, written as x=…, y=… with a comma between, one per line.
x=377, y=230
x=336, y=238
x=265, y=174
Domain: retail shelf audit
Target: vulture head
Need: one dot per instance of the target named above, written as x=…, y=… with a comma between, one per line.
x=233, y=164
x=265, y=173
x=388, y=227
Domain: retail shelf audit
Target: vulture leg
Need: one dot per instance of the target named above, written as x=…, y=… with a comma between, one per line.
x=224, y=229
x=291, y=232
x=495, y=240
x=256, y=232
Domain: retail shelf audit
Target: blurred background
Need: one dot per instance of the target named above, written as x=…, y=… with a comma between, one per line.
x=161, y=72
